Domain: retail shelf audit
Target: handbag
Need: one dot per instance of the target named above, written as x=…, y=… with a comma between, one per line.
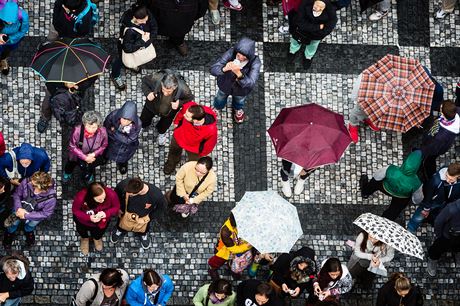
x=131, y=222
x=241, y=261
x=14, y=174
x=190, y=208
x=139, y=57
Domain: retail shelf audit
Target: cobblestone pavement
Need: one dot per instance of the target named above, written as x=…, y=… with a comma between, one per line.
x=245, y=159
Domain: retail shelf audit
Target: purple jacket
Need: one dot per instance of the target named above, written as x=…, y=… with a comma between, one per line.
x=96, y=144
x=43, y=210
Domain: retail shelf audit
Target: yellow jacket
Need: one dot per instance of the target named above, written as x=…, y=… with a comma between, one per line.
x=239, y=245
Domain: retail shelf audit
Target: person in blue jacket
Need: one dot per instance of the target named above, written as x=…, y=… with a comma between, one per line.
x=150, y=289
x=14, y=24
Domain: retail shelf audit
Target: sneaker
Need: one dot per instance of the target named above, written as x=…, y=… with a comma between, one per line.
x=215, y=16
x=66, y=177
x=123, y=168
x=440, y=14
x=185, y=215
x=353, y=130
x=10, y=220
x=371, y=125
x=42, y=125
x=237, y=7
x=377, y=15
x=431, y=267
x=116, y=235
x=284, y=29
x=286, y=188
x=98, y=245
x=182, y=49
x=5, y=67
x=30, y=238
x=145, y=241
x=239, y=116
x=169, y=168
x=119, y=83
x=162, y=138
x=299, y=186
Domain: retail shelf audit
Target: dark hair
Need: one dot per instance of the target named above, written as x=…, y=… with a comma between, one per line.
x=364, y=242
x=111, y=277
x=264, y=289
x=454, y=169
x=140, y=11
x=74, y=4
x=220, y=286
x=197, y=112
x=449, y=109
x=331, y=265
x=207, y=161
x=329, y=301
x=94, y=189
x=151, y=277
x=134, y=185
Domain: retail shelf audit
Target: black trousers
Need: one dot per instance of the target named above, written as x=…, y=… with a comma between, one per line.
x=442, y=245
x=88, y=169
x=286, y=169
x=95, y=232
x=165, y=121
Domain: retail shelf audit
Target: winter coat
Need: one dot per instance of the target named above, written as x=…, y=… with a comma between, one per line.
x=162, y=104
x=229, y=243
x=403, y=181
x=95, y=144
x=86, y=291
x=38, y=156
x=186, y=180
x=305, y=27
x=2, y=144
x=6, y=162
x=137, y=292
x=201, y=297
x=437, y=188
x=447, y=220
x=22, y=286
x=385, y=253
x=65, y=23
x=246, y=294
x=227, y=81
x=5, y=197
x=132, y=40
x=110, y=206
x=43, y=210
x=19, y=22
x=122, y=146
x=388, y=296
x=196, y=139
x=53, y=87
x=342, y=285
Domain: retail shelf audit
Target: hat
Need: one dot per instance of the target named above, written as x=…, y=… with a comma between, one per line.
x=9, y=12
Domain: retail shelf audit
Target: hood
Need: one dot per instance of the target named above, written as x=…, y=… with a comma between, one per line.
x=412, y=163
x=128, y=111
x=25, y=152
x=247, y=47
x=22, y=269
x=9, y=12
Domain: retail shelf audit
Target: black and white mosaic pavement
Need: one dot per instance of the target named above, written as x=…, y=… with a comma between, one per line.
x=245, y=159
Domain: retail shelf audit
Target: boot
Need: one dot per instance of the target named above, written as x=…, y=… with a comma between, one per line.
x=7, y=240
x=30, y=238
x=299, y=186
x=84, y=246
x=431, y=267
x=371, y=125
x=353, y=130
x=98, y=245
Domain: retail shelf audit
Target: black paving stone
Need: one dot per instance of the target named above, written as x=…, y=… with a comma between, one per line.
x=445, y=61
x=413, y=23
x=247, y=22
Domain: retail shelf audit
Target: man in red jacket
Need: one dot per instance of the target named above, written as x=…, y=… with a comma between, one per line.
x=195, y=131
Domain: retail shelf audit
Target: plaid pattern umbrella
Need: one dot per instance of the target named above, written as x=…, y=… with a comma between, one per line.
x=396, y=93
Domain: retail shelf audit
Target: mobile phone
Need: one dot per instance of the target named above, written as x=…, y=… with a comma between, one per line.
x=5, y=37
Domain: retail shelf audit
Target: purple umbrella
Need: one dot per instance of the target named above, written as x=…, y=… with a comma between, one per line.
x=309, y=135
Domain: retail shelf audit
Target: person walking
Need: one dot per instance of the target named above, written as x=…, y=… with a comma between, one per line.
x=397, y=291
x=16, y=280
x=28, y=160
x=297, y=172
x=219, y=292
x=237, y=72
x=150, y=289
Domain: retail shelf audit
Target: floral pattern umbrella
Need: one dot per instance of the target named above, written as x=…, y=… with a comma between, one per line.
x=267, y=221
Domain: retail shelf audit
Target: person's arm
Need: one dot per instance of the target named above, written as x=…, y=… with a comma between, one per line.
x=132, y=298
x=200, y=296
x=231, y=299
x=432, y=188
x=357, y=249
x=186, y=95
x=209, y=142
x=104, y=142
x=17, y=195
x=211, y=178
x=148, y=83
x=16, y=37
x=153, y=27
x=77, y=204
x=115, y=204
x=46, y=165
x=180, y=179
x=382, y=296
x=132, y=41
x=57, y=10
x=121, y=193
x=73, y=143
x=47, y=211
x=168, y=288
x=390, y=254
x=331, y=23
x=249, y=80
x=180, y=115
x=216, y=68
x=85, y=293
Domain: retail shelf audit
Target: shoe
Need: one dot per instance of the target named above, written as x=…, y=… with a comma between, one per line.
x=116, y=235
x=290, y=57
x=440, y=14
x=284, y=29
x=30, y=238
x=145, y=241
x=183, y=49
x=5, y=67
x=237, y=7
x=66, y=178
x=42, y=125
x=215, y=16
x=123, y=168
x=377, y=15
x=169, y=168
x=306, y=63
x=98, y=245
x=239, y=116
x=185, y=215
x=7, y=240
x=363, y=180
x=162, y=138
x=286, y=188
x=84, y=246
x=371, y=125
x=353, y=130
x=432, y=267
x=213, y=274
x=119, y=83
x=299, y=186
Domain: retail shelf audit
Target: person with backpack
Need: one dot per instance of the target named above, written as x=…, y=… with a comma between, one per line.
x=398, y=291
x=150, y=289
x=123, y=128
x=34, y=200
x=105, y=288
x=73, y=18
x=16, y=280
x=219, y=292
x=86, y=147
x=14, y=25
x=165, y=92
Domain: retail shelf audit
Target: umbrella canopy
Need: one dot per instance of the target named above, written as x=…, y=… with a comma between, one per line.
x=396, y=93
x=391, y=233
x=309, y=135
x=70, y=60
x=267, y=221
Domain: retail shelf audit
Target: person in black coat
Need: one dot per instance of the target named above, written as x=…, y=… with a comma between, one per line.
x=15, y=280
x=314, y=20
x=5, y=200
x=254, y=292
x=397, y=291
x=67, y=21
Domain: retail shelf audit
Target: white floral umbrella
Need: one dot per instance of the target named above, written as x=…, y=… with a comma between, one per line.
x=267, y=221
x=391, y=233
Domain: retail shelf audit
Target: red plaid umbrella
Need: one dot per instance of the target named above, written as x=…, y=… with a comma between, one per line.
x=396, y=93
x=309, y=135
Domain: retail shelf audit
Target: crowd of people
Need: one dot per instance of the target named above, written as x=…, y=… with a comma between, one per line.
x=28, y=192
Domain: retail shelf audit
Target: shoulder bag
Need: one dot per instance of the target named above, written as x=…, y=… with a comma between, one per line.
x=190, y=208
x=139, y=57
x=14, y=174
x=132, y=222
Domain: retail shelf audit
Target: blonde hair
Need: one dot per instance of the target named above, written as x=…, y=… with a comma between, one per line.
x=402, y=283
x=11, y=265
x=41, y=180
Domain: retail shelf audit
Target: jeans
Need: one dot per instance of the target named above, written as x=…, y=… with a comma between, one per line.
x=220, y=100
x=417, y=218
x=28, y=227
x=11, y=302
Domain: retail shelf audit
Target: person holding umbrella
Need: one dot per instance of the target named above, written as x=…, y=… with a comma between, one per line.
x=298, y=173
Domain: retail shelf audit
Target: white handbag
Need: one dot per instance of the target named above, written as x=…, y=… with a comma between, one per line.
x=139, y=57
x=14, y=174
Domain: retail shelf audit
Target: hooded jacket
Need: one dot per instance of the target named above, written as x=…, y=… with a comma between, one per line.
x=38, y=156
x=402, y=181
x=19, y=22
x=137, y=292
x=42, y=210
x=388, y=296
x=227, y=81
x=448, y=218
x=246, y=294
x=65, y=23
x=23, y=285
x=196, y=139
x=229, y=243
x=438, y=192
x=122, y=146
x=132, y=40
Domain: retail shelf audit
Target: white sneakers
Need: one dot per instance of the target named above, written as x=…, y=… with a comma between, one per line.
x=298, y=188
x=377, y=15
x=440, y=14
x=162, y=138
x=215, y=16
x=284, y=29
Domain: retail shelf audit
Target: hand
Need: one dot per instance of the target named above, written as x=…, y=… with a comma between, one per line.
x=425, y=213
x=151, y=96
x=4, y=296
x=321, y=26
x=146, y=36
x=20, y=213
x=94, y=218
x=15, y=182
x=186, y=197
x=90, y=159
x=175, y=125
x=2, y=42
x=175, y=104
x=112, y=129
x=375, y=261
x=285, y=288
x=296, y=292
x=317, y=289
x=326, y=293
x=227, y=67
x=101, y=214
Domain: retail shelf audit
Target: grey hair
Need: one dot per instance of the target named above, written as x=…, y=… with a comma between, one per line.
x=12, y=266
x=169, y=81
x=91, y=117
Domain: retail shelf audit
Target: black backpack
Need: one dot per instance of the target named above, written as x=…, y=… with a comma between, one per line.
x=73, y=301
x=66, y=107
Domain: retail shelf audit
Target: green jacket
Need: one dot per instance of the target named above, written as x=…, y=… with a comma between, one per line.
x=402, y=181
x=200, y=298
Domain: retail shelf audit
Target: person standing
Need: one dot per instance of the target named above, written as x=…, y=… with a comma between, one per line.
x=397, y=291
x=298, y=173
x=447, y=7
x=237, y=72
x=16, y=280
x=150, y=289
x=29, y=160
x=219, y=292
x=256, y=293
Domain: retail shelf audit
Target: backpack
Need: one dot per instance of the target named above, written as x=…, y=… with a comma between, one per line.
x=3, y=2
x=73, y=300
x=66, y=107
x=94, y=17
